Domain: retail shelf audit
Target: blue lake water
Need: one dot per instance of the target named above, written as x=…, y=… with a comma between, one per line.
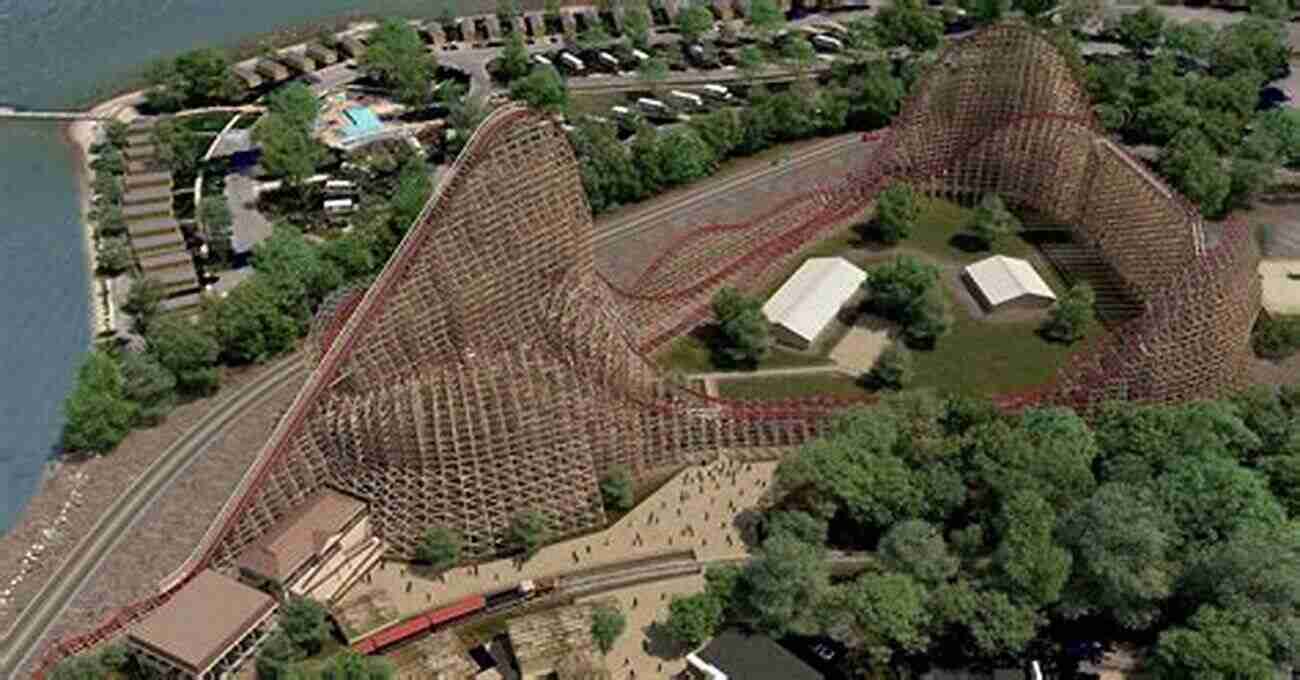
x=65, y=54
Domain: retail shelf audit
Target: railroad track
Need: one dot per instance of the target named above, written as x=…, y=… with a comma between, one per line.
x=91, y=551
x=640, y=221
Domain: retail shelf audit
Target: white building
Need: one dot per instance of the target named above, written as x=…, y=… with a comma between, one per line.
x=808, y=301
x=1002, y=282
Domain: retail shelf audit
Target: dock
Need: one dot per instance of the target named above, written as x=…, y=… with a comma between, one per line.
x=10, y=113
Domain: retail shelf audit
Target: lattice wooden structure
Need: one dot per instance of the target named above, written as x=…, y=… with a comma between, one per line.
x=490, y=368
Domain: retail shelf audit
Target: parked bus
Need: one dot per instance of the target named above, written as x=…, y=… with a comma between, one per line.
x=686, y=100
x=653, y=107
x=572, y=62
x=541, y=59
x=827, y=43
x=717, y=92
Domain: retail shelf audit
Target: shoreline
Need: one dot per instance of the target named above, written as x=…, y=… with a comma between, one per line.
x=81, y=136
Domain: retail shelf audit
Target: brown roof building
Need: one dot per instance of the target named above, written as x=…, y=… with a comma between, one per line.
x=318, y=550
x=206, y=629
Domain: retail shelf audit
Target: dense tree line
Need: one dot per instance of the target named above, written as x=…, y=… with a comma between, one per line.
x=197, y=78
x=261, y=319
x=997, y=538
x=1194, y=90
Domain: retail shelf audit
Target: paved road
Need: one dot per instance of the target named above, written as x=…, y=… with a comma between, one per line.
x=82, y=562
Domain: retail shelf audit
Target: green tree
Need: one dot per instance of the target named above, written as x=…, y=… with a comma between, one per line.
x=150, y=386
x=1068, y=320
x=1123, y=556
x=693, y=22
x=1193, y=38
x=143, y=302
x=896, y=286
x=296, y=103
x=684, y=157
x=693, y=619
x=877, y=94
x=616, y=490
x=887, y=612
x=782, y=581
x=217, y=220
x=439, y=548
x=396, y=57
x=798, y=525
x=908, y=23
x=1034, y=8
x=277, y=656
x=993, y=220
x=985, y=11
x=287, y=255
x=892, y=369
x=1210, y=497
x=97, y=413
x=1252, y=44
x=350, y=665
x=113, y=255
x=897, y=210
x=179, y=148
x=607, y=624
x=636, y=24
x=305, y=623
x=542, y=89
x=743, y=327
x=1142, y=30
x=1032, y=565
x=916, y=548
x=1217, y=644
x=983, y=624
x=288, y=151
x=765, y=18
x=514, y=57
x=528, y=531
x=751, y=62
x=188, y=351
x=799, y=55
x=250, y=325
x=80, y=667
x=1282, y=126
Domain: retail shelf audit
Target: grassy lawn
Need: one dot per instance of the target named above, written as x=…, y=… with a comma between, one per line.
x=790, y=386
x=691, y=354
x=595, y=104
x=979, y=357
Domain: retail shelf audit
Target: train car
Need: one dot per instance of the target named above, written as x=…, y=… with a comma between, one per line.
x=418, y=624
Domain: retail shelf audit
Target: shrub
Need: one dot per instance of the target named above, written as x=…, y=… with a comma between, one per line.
x=744, y=328
x=1276, y=337
x=1070, y=316
x=893, y=368
x=607, y=624
x=896, y=212
x=439, y=548
x=616, y=490
x=993, y=220
x=98, y=413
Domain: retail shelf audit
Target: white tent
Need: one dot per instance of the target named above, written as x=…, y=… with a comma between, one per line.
x=809, y=300
x=1002, y=280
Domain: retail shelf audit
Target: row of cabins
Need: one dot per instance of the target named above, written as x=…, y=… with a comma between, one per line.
x=156, y=240
x=303, y=58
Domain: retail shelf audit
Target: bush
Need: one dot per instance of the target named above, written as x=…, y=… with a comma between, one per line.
x=926, y=320
x=189, y=352
x=527, y=533
x=113, y=255
x=896, y=286
x=896, y=212
x=143, y=301
x=993, y=221
x=607, y=624
x=150, y=386
x=616, y=490
x=744, y=328
x=893, y=368
x=98, y=413
x=1276, y=337
x=1070, y=317
x=439, y=548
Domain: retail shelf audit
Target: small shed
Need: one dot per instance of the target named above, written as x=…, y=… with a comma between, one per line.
x=810, y=299
x=1001, y=282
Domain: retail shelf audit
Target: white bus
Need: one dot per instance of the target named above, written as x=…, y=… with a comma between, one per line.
x=336, y=206
x=608, y=59
x=828, y=43
x=541, y=59
x=620, y=111
x=339, y=186
x=686, y=99
x=640, y=56
x=571, y=61
x=653, y=106
x=716, y=92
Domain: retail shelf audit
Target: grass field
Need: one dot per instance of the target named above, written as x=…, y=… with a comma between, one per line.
x=976, y=357
x=691, y=354
x=791, y=386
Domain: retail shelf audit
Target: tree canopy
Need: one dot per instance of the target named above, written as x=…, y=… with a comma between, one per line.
x=97, y=413
x=396, y=57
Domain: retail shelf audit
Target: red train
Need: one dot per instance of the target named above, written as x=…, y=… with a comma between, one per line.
x=432, y=620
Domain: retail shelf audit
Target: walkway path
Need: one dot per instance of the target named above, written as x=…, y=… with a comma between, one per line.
x=703, y=508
